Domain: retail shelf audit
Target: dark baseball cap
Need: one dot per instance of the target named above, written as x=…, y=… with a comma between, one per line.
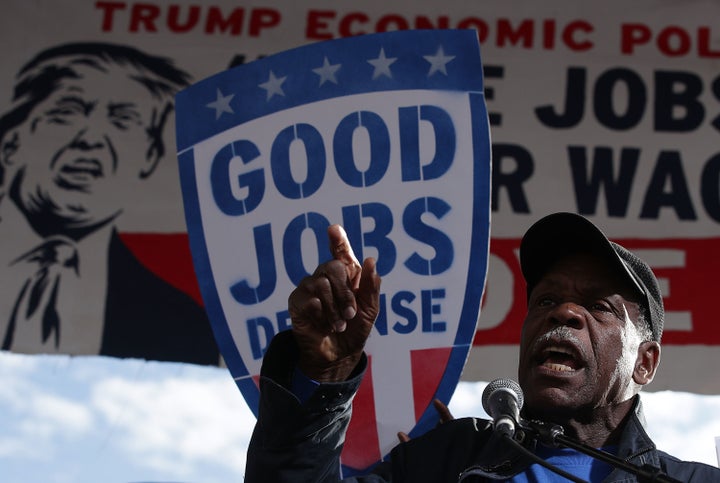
x=561, y=234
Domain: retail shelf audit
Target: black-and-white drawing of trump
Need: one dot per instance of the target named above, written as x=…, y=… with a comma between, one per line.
x=83, y=134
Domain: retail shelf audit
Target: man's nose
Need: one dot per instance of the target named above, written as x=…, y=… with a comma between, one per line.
x=88, y=138
x=569, y=314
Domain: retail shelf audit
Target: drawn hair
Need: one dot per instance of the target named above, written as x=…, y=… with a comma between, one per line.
x=42, y=75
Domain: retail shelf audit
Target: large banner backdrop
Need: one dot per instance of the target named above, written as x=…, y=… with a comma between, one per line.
x=611, y=110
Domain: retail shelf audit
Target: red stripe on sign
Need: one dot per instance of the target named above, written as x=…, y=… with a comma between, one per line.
x=362, y=447
x=507, y=292
x=428, y=367
x=167, y=255
x=686, y=270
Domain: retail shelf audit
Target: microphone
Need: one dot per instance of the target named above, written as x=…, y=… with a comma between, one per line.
x=502, y=399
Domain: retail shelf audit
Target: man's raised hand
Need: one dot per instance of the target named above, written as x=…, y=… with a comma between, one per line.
x=333, y=311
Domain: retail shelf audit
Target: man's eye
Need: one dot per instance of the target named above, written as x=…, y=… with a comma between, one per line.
x=61, y=112
x=60, y=116
x=600, y=307
x=121, y=122
x=545, y=302
x=123, y=117
x=125, y=122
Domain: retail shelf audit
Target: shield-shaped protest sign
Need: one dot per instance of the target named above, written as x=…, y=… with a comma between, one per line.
x=386, y=134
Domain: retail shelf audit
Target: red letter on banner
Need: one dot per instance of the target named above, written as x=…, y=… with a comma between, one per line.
x=568, y=35
x=633, y=34
x=144, y=13
x=348, y=20
x=108, y=9
x=263, y=18
x=317, y=20
x=216, y=21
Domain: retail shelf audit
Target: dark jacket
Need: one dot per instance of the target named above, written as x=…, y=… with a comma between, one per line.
x=295, y=442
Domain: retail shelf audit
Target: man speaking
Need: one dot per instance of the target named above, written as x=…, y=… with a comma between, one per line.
x=590, y=341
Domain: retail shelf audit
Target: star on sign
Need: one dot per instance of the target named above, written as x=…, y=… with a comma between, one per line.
x=438, y=61
x=327, y=71
x=382, y=65
x=221, y=104
x=273, y=85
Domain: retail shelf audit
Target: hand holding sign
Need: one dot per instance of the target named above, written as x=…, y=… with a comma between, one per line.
x=333, y=311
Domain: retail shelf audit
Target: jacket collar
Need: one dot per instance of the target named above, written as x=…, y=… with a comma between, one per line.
x=635, y=444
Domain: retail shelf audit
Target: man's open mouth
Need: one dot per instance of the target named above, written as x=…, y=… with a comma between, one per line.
x=559, y=358
x=80, y=171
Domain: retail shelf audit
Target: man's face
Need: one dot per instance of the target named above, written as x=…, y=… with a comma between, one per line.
x=83, y=150
x=579, y=344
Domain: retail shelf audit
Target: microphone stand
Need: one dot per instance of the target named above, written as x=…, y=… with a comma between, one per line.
x=554, y=435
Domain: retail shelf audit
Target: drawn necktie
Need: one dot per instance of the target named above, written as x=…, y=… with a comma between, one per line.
x=38, y=295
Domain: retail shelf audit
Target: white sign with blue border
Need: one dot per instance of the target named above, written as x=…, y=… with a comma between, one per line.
x=386, y=134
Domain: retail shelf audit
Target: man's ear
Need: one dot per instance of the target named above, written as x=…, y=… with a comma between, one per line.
x=8, y=146
x=156, y=150
x=152, y=158
x=647, y=362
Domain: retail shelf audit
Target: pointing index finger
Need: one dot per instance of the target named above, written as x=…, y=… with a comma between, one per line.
x=342, y=251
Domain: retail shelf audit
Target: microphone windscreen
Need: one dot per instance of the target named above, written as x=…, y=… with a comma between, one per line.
x=501, y=385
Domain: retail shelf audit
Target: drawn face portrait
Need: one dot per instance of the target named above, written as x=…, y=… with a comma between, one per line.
x=84, y=148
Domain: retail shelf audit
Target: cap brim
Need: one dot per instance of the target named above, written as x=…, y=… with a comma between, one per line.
x=559, y=235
